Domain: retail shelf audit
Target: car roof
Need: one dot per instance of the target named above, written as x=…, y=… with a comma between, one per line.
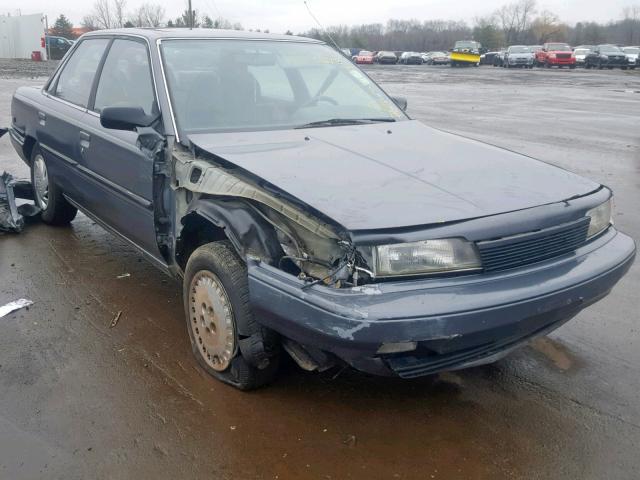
x=153, y=34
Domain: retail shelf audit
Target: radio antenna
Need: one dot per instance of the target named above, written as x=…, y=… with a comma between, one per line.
x=324, y=30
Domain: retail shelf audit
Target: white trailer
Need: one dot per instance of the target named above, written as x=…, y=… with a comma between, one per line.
x=21, y=35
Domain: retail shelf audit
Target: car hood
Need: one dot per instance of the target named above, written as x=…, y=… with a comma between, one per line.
x=391, y=175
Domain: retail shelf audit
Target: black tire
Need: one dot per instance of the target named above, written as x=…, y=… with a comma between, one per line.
x=57, y=210
x=256, y=355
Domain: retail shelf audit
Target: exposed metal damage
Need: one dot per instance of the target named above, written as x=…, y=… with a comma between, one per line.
x=262, y=223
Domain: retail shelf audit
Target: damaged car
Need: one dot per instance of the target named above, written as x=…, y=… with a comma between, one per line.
x=305, y=212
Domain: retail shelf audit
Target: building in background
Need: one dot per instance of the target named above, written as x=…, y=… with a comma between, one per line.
x=21, y=36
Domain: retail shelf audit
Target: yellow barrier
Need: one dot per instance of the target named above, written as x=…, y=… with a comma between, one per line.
x=465, y=57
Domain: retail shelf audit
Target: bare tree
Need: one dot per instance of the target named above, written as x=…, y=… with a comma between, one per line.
x=106, y=14
x=118, y=13
x=515, y=19
x=547, y=27
x=102, y=14
x=148, y=15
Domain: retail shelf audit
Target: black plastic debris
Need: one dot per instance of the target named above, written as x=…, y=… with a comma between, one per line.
x=12, y=216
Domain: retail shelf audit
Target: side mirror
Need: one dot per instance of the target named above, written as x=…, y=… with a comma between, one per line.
x=125, y=118
x=400, y=102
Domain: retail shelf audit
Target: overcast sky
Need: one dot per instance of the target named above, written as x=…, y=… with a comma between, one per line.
x=280, y=15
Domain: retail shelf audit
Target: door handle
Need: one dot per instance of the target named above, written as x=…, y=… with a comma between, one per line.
x=85, y=140
x=42, y=118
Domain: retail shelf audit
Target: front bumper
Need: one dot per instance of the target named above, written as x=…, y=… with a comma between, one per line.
x=561, y=61
x=458, y=321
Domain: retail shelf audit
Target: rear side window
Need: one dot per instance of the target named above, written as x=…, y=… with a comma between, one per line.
x=126, y=78
x=75, y=80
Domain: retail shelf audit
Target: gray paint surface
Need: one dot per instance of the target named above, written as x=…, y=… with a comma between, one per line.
x=394, y=174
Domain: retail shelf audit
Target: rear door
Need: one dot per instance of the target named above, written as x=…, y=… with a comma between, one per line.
x=121, y=175
x=62, y=112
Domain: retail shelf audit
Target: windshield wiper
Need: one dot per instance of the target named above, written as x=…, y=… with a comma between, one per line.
x=345, y=121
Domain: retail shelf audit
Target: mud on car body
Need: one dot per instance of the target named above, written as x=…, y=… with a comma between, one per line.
x=305, y=211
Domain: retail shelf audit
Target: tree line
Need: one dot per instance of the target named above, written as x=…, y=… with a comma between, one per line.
x=519, y=22
x=107, y=14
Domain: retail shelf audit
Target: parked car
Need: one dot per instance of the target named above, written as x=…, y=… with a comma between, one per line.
x=632, y=56
x=364, y=57
x=436, y=58
x=465, y=53
x=498, y=59
x=606, y=56
x=411, y=58
x=536, y=48
x=384, y=57
x=584, y=47
x=555, y=55
x=518, y=56
x=445, y=253
x=488, y=58
x=580, y=54
x=57, y=46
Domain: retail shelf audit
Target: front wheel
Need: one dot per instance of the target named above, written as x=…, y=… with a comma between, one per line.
x=225, y=338
x=56, y=210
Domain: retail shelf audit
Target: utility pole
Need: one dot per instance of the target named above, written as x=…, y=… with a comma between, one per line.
x=46, y=33
x=190, y=16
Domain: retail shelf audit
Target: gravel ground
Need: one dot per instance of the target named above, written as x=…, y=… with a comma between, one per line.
x=10, y=68
x=82, y=400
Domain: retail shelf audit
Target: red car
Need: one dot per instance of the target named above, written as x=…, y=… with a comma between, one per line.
x=555, y=54
x=364, y=56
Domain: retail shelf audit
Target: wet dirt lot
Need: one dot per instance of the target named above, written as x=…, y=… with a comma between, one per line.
x=79, y=399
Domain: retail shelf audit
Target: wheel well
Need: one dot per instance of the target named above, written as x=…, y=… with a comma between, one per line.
x=27, y=148
x=196, y=232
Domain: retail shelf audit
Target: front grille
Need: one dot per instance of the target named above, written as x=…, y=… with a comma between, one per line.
x=563, y=55
x=532, y=247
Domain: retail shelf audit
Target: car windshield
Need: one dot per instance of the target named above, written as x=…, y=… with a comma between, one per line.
x=609, y=49
x=234, y=85
x=437, y=54
x=558, y=47
x=466, y=45
x=581, y=51
x=631, y=50
x=519, y=50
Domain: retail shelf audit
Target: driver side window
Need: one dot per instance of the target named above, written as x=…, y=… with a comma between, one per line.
x=126, y=80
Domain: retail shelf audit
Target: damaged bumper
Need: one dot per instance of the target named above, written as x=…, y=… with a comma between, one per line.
x=457, y=322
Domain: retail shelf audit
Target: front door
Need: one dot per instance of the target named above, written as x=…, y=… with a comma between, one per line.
x=121, y=174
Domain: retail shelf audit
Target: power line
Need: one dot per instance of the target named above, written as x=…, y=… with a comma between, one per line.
x=320, y=25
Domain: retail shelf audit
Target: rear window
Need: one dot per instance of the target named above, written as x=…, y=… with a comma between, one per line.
x=76, y=79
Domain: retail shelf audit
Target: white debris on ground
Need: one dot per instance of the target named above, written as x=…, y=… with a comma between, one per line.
x=13, y=306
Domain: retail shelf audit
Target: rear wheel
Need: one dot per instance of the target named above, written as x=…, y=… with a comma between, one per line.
x=225, y=338
x=56, y=210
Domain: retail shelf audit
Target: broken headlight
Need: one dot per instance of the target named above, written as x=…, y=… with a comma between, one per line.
x=600, y=218
x=428, y=256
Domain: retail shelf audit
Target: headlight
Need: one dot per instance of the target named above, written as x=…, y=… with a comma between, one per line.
x=429, y=256
x=600, y=218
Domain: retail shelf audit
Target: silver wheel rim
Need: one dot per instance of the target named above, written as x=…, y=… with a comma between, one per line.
x=41, y=182
x=211, y=320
